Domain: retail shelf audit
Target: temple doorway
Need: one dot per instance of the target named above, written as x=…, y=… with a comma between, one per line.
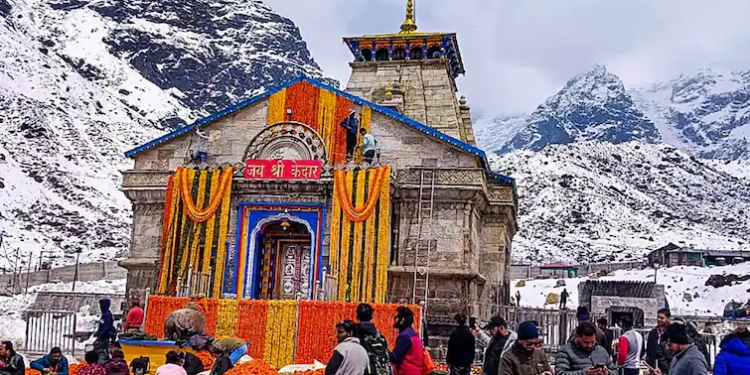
x=283, y=262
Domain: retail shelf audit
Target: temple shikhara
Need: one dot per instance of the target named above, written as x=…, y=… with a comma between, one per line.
x=274, y=198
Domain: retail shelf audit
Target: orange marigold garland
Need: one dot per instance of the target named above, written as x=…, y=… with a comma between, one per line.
x=200, y=215
x=252, y=326
x=253, y=367
x=303, y=99
x=206, y=359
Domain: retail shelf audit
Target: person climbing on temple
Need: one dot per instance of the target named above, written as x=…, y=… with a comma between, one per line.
x=564, y=298
x=349, y=357
x=629, y=347
x=92, y=367
x=134, y=319
x=501, y=341
x=172, y=365
x=53, y=363
x=11, y=363
x=373, y=341
x=657, y=355
x=461, y=346
x=202, y=153
x=407, y=356
x=116, y=364
x=525, y=357
x=105, y=332
x=351, y=125
x=369, y=145
x=734, y=357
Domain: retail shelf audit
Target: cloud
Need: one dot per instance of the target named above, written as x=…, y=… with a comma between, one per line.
x=517, y=53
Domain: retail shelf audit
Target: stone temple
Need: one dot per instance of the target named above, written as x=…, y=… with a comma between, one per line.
x=441, y=229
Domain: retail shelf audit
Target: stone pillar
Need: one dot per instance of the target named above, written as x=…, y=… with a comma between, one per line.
x=467, y=130
x=145, y=249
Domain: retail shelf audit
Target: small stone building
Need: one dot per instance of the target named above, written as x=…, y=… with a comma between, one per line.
x=403, y=90
x=615, y=299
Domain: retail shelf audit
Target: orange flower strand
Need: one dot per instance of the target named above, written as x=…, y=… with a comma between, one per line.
x=253, y=367
x=203, y=214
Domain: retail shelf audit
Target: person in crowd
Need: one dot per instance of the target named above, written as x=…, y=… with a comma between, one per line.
x=657, y=355
x=524, y=357
x=227, y=352
x=373, y=341
x=461, y=346
x=584, y=356
x=134, y=319
x=518, y=298
x=629, y=348
x=734, y=357
x=11, y=363
x=407, y=356
x=192, y=364
x=501, y=341
x=564, y=298
x=172, y=365
x=582, y=314
x=105, y=332
x=53, y=363
x=92, y=364
x=116, y=364
x=351, y=125
x=696, y=338
x=609, y=338
x=349, y=357
x=369, y=145
x=687, y=359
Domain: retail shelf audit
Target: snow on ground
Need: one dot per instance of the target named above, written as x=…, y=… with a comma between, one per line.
x=12, y=325
x=678, y=281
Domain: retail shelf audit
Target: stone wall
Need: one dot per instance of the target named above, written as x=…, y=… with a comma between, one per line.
x=86, y=272
x=429, y=91
x=524, y=271
x=600, y=304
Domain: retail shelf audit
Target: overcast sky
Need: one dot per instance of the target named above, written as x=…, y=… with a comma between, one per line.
x=519, y=52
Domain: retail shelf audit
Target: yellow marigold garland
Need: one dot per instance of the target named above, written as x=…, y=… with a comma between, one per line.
x=226, y=322
x=280, y=327
x=189, y=224
x=360, y=249
x=276, y=107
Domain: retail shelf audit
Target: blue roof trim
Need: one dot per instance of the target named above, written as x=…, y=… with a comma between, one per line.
x=380, y=109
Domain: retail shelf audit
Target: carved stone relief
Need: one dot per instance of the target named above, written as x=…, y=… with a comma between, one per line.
x=287, y=140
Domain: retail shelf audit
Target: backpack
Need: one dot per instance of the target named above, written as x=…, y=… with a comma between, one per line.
x=377, y=349
x=140, y=365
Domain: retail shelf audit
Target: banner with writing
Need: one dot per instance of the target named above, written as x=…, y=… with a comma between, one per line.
x=283, y=169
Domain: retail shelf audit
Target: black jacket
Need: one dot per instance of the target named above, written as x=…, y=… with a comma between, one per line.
x=461, y=346
x=192, y=364
x=657, y=356
x=493, y=354
x=222, y=365
x=16, y=365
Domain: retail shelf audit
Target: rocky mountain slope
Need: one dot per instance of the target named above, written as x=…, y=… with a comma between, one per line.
x=597, y=201
x=83, y=81
x=706, y=114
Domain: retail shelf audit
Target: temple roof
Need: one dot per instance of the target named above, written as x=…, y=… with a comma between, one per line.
x=357, y=100
x=408, y=35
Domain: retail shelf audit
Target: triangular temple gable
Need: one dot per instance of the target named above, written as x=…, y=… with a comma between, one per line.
x=322, y=107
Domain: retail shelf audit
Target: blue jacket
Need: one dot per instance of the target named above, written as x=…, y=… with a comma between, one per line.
x=734, y=358
x=46, y=362
x=106, y=329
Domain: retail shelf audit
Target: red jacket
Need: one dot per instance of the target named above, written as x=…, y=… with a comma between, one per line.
x=407, y=357
x=134, y=318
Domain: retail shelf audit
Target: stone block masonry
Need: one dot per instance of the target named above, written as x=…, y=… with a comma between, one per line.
x=86, y=272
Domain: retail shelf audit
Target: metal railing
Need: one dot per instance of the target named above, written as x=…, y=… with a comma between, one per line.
x=194, y=283
x=46, y=329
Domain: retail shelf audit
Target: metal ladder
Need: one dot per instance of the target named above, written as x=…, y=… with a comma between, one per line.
x=424, y=234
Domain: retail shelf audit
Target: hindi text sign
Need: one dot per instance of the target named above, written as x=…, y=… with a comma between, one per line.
x=283, y=169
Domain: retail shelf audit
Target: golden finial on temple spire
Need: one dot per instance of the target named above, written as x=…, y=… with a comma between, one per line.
x=409, y=26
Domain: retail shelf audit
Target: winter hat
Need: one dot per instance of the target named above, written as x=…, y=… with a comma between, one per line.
x=527, y=331
x=495, y=321
x=582, y=313
x=676, y=333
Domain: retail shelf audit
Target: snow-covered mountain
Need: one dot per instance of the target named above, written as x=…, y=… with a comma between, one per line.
x=591, y=106
x=596, y=201
x=83, y=81
x=706, y=114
